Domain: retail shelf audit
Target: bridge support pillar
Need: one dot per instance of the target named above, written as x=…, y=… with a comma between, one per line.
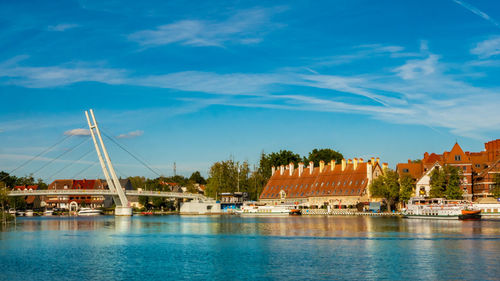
x=123, y=211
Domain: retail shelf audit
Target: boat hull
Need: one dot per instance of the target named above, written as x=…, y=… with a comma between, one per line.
x=431, y=217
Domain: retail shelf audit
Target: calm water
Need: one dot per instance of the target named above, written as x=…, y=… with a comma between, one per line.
x=234, y=248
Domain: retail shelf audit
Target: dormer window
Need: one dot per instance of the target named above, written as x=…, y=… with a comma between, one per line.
x=458, y=158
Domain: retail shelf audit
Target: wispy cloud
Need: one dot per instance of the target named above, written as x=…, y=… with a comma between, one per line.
x=245, y=27
x=54, y=76
x=477, y=12
x=417, y=91
x=129, y=135
x=62, y=26
x=77, y=132
x=487, y=48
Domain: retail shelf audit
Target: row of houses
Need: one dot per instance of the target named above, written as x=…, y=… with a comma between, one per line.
x=338, y=185
x=477, y=169
x=347, y=183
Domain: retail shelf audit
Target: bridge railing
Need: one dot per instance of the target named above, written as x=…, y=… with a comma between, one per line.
x=56, y=192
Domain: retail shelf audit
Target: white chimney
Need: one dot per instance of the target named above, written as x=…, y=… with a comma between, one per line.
x=343, y=165
x=311, y=167
x=301, y=168
x=273, y=170
x=332, y=165
x=355, y=163
x=292, y=167
x=282, y=169
x=321, y=166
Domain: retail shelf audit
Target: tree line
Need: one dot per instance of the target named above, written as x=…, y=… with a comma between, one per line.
x=232, y=176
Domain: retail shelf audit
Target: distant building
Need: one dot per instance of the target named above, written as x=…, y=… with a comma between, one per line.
x=230, y=200
x=475, y=183
x=32, y=201
x=335, y=185
x=63, y=201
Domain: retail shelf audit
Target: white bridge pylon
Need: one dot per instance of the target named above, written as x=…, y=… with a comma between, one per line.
x=122, y=205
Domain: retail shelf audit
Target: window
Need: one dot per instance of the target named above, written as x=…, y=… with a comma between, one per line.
x=478, y=165
x=465, y=168
x=322, y=183
x=458, y=158
x=363, y=182
x=350, y=183
x=406, y=171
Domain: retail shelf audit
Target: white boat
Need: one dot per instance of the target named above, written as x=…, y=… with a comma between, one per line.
x=48, y=213
x=29, y=213
x=439, y=208
x=89, y=212
x=12, y=211
x=265, y=210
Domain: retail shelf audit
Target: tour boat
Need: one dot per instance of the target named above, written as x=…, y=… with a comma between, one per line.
x=265, y=210
x=439, y=208
x=89, y=212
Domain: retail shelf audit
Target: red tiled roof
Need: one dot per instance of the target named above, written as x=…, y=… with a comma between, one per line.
x=330, y=182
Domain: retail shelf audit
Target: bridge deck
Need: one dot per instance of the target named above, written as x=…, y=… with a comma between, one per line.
x=107, y=193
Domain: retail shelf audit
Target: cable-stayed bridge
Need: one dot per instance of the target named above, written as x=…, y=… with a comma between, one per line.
x=115, y=189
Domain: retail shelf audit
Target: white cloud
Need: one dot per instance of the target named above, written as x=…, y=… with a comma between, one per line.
x=417, y=68
x=245, y=27
x=487, y=48
x=55, y=76
x=131, y=135
x=62, y=26
x=77, y=132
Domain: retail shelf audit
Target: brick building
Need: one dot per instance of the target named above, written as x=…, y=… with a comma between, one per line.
x=475, y=182
x=63, y=201
x=345, y=184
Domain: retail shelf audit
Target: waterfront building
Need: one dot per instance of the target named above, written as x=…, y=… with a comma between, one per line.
x=32, y=201
x=476, y=181
x=63, y=201
x=335, y=185
x=232, y=201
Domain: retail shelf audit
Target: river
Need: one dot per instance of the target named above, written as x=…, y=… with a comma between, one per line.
x=241, y=248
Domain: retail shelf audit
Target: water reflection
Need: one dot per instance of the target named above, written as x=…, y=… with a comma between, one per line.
x=226, y=247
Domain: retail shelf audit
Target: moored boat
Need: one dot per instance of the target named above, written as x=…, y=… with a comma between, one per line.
x=265, y=210
x=89, y=212
x=29, y=213
x=48, y=213
x=439, y=208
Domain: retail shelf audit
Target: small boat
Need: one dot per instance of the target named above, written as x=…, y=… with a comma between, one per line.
x=12, y=211
x=89, y=212
x=48, y=213
x=20, y=213
x=29, y=213
x=265, y=210
x=149, y=213
x=470, y=214
x=295, y=212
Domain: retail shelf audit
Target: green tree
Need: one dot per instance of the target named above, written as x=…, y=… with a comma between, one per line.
x=495, y=190
x=325, y=154
x=453, y=190
x=137, y=182
x=4, y=199
x=144, y=201
x=387, y=187
x=407, y=187
x=228, y=176
x=437, y=183
x=197, y=178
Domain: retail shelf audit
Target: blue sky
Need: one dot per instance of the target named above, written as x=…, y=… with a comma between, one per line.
x=194, y=82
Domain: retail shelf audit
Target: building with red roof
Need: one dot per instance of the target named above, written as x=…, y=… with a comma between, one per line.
x=63, y=201
x=471, y=164
x=344, y=184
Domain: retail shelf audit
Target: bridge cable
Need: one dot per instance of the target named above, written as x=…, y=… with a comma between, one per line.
x=36, y=156
x=84, y=170
x=130, y=153
x=63, y=168
x=60, y=155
